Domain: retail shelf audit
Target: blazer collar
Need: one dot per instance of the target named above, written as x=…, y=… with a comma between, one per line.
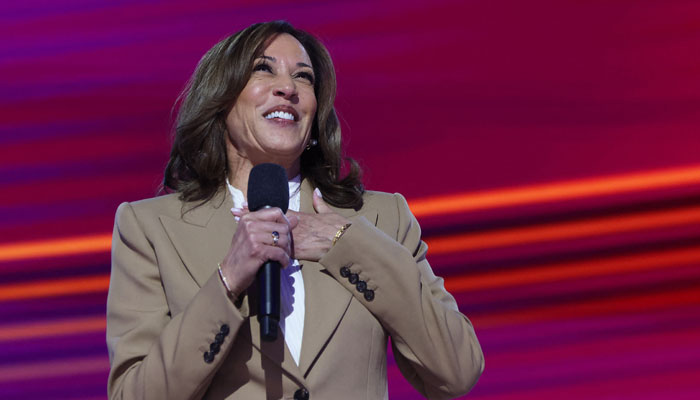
x=202, y=237
x=326, y=300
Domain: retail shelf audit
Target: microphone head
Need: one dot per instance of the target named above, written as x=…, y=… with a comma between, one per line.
x=268, y=186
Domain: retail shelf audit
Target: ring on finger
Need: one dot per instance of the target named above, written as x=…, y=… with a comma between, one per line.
x=275, y=238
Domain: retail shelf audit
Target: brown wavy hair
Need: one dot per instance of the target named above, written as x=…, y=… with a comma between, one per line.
x=198, y=161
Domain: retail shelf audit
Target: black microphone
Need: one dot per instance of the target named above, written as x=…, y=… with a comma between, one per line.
x=268, y=187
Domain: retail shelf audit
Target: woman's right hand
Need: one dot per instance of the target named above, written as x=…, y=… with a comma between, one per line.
x=253, y=244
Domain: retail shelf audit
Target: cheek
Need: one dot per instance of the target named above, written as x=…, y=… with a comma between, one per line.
x=312, y=106
x=233, y=120
x=254, y=94
x=246, y=108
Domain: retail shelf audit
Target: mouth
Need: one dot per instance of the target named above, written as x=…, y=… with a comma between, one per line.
x=281, y=113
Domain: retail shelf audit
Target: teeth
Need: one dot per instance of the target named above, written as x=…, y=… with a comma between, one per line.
x=280, y=114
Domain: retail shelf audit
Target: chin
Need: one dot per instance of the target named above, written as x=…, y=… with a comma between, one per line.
x=281, y=155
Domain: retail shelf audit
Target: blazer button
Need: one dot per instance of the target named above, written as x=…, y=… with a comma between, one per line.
x=208, y=357
x=214, y=348
x=301, y=394
x=344, y=272
x=219, y=338
x=361, y=286
x=369, y=294
x=225, y=329
x=353, y=278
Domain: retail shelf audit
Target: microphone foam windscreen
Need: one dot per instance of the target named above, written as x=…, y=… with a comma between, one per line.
x=267, y=186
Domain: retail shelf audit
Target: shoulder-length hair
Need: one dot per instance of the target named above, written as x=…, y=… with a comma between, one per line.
x=198, y=161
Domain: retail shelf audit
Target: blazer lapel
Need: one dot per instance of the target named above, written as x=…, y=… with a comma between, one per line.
x=326, y=300
x=202, y=238
x=277, y=351
x=203, y=235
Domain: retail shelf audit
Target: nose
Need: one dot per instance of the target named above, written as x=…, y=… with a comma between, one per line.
x=285, y=88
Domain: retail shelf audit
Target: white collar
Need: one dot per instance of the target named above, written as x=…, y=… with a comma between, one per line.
x=239, y=197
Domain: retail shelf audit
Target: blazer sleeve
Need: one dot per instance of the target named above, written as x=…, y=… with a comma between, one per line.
x=154, y=355
x=435, y=346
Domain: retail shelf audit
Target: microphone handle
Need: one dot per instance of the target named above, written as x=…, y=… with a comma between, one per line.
x=269, y=299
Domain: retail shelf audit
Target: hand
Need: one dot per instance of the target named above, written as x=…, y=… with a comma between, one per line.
x=253, y=244
x=313, y=233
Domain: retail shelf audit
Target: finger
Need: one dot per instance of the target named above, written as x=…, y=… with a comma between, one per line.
x=261, y=232
x=255, y=226
x=319, y=205
x=293, y=221
x=294, y=217
x=277, y=254
x=272, y=214
x=267, y=239
x=239, y=212
x=266, y=227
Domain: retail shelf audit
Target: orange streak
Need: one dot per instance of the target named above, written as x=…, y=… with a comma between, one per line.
x=573, y=270
x=557, y=191
x=40, y=329
x=438, y=245
x=435, y=205
x=563, y=231
x=55, y=247
x=55, y=287
x=56, y=368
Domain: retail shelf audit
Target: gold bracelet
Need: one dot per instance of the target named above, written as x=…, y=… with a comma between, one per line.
x=340, y=233
x=231, y=293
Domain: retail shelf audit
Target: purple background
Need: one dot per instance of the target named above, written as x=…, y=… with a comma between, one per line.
x=436, y=98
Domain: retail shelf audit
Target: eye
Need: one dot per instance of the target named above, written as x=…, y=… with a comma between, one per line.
x=262, y=67
x=306, y=75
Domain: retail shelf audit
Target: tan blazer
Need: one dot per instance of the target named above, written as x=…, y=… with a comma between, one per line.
x=167, y=307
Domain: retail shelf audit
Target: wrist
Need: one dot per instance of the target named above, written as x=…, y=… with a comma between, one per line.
x=340, y=233
x=229, y=289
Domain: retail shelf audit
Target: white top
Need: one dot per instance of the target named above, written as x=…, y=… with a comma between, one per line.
x=291, y=281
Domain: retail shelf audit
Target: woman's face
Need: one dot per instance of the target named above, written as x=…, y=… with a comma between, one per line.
x=272, y=117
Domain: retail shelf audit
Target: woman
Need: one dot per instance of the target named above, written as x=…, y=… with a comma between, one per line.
x=180, y=320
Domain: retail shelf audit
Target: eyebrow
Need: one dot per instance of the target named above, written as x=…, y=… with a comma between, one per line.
x=273, y=59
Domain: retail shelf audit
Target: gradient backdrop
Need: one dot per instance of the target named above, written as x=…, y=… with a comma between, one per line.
x=548, y=148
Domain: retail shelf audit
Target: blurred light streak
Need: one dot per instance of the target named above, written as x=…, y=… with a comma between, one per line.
x=678, y=383
x=636, y=303
x=557, y=191
x=40, y=329
x=455, y=284
x=54, y=287
x=437, y=245
x=528, y=275
x=580, y=350
x=53, y=368
x=55, y=247
x=97, y=243
x=563, y=230
x=573, y=270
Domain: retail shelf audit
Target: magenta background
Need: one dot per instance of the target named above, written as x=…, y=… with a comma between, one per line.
x=435, y=97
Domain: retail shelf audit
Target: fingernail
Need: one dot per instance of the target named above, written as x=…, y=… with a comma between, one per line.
x=237, y=218
x=318, y=193
x=236, y=210
x=244, y=204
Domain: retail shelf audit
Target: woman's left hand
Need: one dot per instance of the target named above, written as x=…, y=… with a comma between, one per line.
x=313, y=235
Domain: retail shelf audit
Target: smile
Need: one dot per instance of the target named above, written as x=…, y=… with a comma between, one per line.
x=280, y=114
